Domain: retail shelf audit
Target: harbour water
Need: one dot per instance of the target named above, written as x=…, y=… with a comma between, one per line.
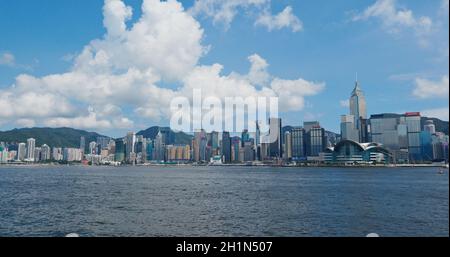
x=223, y=201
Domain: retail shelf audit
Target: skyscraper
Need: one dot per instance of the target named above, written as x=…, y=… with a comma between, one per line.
x=31, y=145
x=21, y=152
x=92, y=147
x=348, y=128
x=315, y=141
x=130, y=141
x=298, y=143
x=45, y=152
x=226, y=147
x=83, y=144
x=358, y=104
x=119, y=155
x=275, y=148
x=287, y=146
x=413, y=121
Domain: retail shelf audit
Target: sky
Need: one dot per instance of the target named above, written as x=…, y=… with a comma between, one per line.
x=113, y=66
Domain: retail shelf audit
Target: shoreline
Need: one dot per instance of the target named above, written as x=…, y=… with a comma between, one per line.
x=442, y=166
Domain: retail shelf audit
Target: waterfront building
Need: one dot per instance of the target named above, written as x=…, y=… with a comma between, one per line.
x=249, y=151
x=150, y=149
x=235, y=149
x=440, y=143
x=31, y=145
x=12, y=155
x=315, y=141
x=178, y=153
x=130, y=141
x=159, y=153
x=287, y=146
x=348, y=128
x=21, y=152
x=413, y=121
x=199, y=146
x=226, y=147
x=298, y=144
x=93, y=148
x=119, y=154
x=3, y=154
x=358, y=105
x=348, y=152
x=72, y=154
x=45, y=152
x=426, y=143
x=83, y=144
x=214, y=140
x=57, y=154
x=275, y=148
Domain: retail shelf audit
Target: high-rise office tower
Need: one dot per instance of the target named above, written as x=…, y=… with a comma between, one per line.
x=235, y=149
x=21, y=152
x=119, y=155
x=413, y=121
x=83, y=144
x=358, y=105
x=298, y=143
x=31, y=145
x=287, y=146
x=315, y=141
x=348, y=128
x=93, y=148
x=45, y=152
x=130, y=141
x=159, y=148
x=275, y=148
x=226, y=147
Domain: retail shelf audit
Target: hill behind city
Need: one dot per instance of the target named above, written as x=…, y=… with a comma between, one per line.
x=53, y=137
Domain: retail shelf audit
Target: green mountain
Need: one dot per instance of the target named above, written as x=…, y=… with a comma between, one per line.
x=54, y=137
x=172, y=138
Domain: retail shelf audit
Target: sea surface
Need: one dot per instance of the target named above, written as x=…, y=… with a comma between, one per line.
x=223, y=201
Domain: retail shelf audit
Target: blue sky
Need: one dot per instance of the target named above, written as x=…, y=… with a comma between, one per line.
x=398, y=48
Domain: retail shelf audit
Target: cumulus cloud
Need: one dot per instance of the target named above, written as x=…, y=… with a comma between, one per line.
x=120, y=75
x=224, y=12
x=285, y=19
x=425, y=88
x=395, y=19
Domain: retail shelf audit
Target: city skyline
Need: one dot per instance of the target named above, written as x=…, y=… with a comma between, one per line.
x=290, y=51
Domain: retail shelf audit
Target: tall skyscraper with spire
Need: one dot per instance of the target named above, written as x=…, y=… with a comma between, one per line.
x=358, y=105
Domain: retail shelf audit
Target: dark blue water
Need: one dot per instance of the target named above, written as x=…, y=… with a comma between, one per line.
x=219, y=201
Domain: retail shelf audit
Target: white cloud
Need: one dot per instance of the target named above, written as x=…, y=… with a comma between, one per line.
x=224, y=12
x=16, y=104
x=396, y=19
x=285, y=19
x=7, y=59
x=27, y=123
x=440, y=113
x=425, y=88
x=123, y=71
x=345, y=103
